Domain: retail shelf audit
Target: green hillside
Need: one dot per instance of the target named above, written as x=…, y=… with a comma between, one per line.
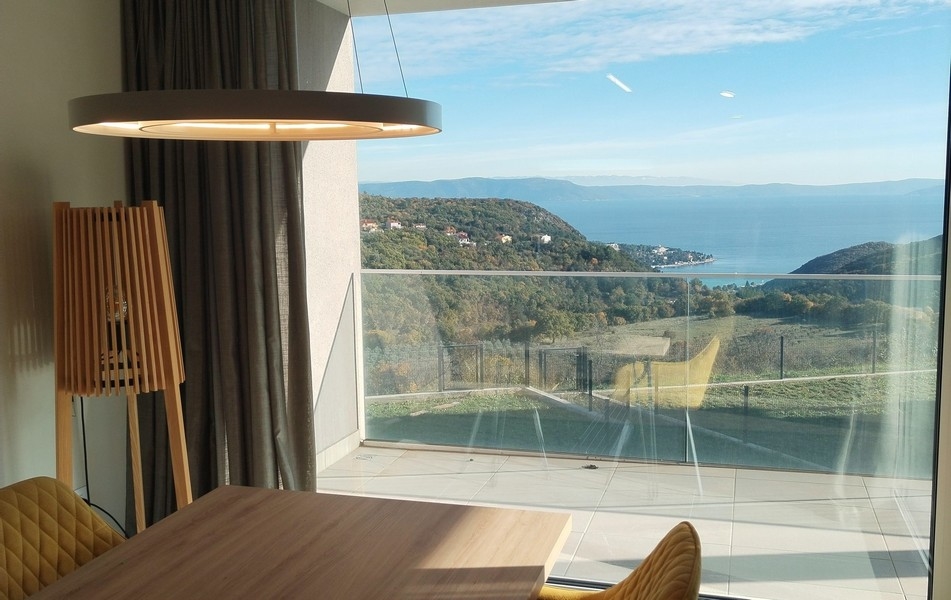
x=872, y=258
x=881, y=258
x=478, y=234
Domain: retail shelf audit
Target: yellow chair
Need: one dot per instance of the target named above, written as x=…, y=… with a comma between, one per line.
x=670, y=572
x=46, y=532
x=680, y=384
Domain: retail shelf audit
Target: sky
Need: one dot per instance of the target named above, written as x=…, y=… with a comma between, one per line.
x=711, y=91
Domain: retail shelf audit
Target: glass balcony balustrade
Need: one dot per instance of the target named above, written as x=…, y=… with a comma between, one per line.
x=791, y=421
x=814, y=373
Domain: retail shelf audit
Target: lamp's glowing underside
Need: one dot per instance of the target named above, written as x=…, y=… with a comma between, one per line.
x=253, y=115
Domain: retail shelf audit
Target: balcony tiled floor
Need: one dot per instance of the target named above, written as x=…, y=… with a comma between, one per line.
x=774, y=535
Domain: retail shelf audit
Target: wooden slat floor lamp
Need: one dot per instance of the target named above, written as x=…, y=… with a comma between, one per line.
x=116, y=327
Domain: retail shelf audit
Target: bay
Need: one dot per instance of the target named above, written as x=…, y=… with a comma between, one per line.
x=761, y=236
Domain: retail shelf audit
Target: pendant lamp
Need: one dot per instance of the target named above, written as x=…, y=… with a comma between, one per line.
x=254, y=115
x=258, y=115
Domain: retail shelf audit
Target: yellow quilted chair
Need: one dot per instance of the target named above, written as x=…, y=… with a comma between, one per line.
x=680, y=384
x=670, y=572
x=46, y=532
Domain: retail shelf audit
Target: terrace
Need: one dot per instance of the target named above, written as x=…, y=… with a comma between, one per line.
x=802, y=450
x=783, y=535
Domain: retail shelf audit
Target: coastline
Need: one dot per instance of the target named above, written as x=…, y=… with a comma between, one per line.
x=682, y=264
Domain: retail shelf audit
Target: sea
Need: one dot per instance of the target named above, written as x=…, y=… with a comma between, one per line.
x=753, y=238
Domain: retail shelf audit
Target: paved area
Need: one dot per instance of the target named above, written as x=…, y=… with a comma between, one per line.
x=776, y=535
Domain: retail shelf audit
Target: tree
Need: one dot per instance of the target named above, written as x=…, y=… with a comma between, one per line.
x=554, y=324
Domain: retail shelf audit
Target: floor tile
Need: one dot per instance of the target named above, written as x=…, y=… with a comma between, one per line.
x=806, y=539
x=801, y=590
x=766, y=534
x=821, y=568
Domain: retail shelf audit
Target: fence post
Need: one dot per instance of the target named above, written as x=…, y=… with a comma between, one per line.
x=874, y=348
x=542, y=375
x=782, y=357
x=590, y=385
x=584, y=369
x=480, y=364
x=579, y=377
x=528, y=365
x=439, y=368
x=746, y=411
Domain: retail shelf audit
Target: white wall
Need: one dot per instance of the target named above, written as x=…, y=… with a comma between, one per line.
x=51, y=51
x=332, y=216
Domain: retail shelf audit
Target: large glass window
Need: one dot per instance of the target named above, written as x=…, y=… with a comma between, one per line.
x=667, y=261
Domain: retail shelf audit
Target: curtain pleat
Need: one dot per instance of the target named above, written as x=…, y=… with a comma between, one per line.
x=235, y=224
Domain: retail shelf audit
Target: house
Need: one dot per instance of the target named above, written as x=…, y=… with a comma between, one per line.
x=53, y=51
x=503, y=238
x=392, y=224
x=369, y=225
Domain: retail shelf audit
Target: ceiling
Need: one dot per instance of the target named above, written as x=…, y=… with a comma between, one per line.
x=367, y=8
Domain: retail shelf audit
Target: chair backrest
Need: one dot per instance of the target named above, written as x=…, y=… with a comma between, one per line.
x=680, y=384
x=670, y=572
x=683, y=384
x=46, y=532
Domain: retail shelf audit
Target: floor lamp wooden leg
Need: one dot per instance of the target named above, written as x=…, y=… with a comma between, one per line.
x=135, y=449
x=176, y=442
x=64, y=437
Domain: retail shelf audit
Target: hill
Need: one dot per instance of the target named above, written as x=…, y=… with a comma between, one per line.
x=872, y=258
x=880, y=258
x=488, y=234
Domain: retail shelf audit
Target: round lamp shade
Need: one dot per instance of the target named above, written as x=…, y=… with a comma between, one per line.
x=253, y=115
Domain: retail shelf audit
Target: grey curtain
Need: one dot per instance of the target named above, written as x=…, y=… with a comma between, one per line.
x=235, y=225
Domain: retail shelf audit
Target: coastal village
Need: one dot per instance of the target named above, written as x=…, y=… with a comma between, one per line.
x=372, y=226
x=657, y=257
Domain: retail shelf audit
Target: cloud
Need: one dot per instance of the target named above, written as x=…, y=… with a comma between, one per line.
x=594, y=35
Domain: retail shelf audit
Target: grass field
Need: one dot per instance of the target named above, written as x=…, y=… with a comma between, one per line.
x=725, y=433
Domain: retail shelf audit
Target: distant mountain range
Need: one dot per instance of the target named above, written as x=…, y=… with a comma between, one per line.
x=639, y=180
x=545, y=190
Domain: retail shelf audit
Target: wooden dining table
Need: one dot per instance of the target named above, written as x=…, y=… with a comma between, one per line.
x=242, y=542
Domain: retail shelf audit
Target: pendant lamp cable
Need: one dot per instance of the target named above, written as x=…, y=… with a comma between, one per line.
x=356, y=55
x=396, y=50
x=399, y=63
